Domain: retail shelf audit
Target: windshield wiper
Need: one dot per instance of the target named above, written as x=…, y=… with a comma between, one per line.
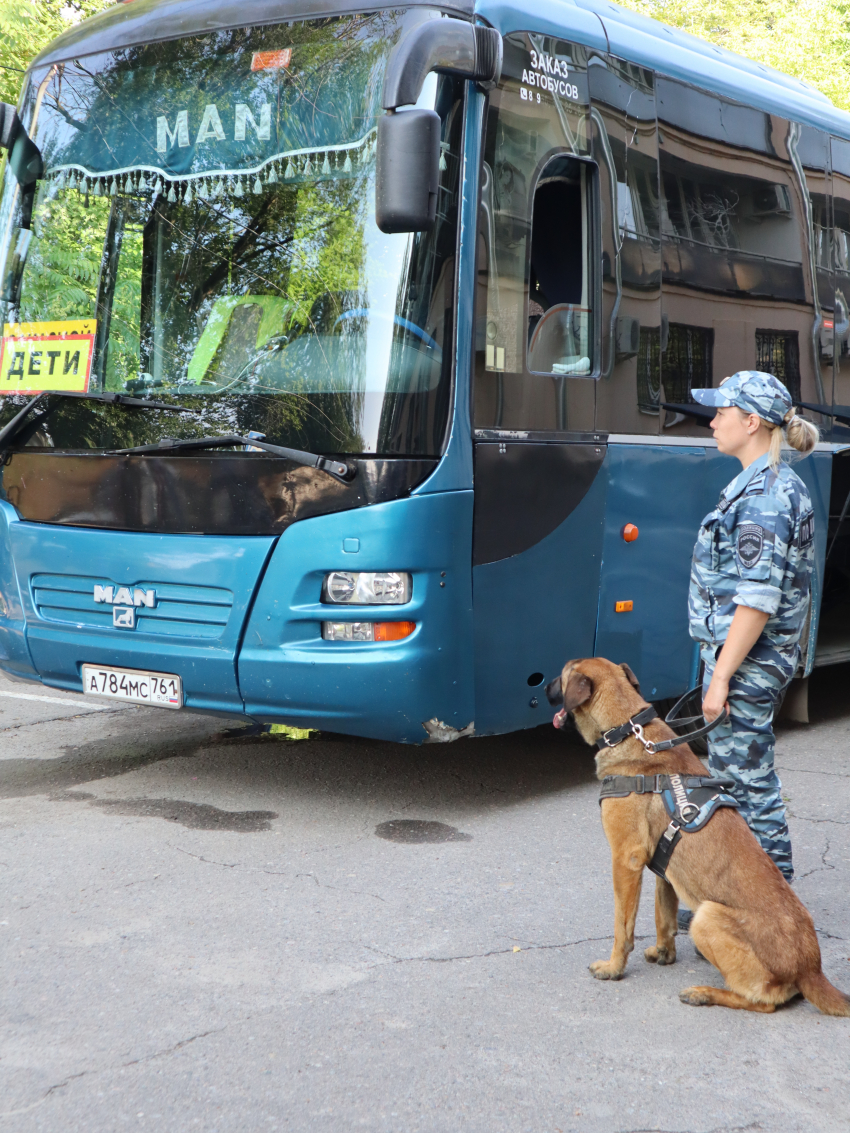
x=13, y=427
x=120, y=399
x=339, y=469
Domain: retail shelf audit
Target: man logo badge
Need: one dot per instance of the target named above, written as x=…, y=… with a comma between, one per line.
x=124, y=602
x=123, y=617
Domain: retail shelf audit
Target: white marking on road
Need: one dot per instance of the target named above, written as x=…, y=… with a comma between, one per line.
x=58, y=700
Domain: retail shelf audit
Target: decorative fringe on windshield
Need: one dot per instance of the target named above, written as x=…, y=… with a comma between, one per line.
x=320, y=164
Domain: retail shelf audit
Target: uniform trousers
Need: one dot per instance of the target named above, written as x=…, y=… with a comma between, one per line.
x=742, y=749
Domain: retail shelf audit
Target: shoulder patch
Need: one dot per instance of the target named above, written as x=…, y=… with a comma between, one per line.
x=807, y=530
x=750, y=543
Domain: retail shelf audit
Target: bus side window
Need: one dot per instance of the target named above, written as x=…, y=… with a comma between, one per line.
x=625, y=145
x=737, y=282
x=813, y=346
x=535, y=352
x=841, y=267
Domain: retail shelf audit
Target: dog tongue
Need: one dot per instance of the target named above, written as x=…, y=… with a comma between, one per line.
x=560, y=717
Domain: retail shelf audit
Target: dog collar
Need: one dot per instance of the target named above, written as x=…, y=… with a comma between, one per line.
x=634, y=727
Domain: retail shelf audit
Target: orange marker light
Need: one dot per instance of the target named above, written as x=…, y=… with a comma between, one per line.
x=630, y=533
x=619, y=607
x=393, y=631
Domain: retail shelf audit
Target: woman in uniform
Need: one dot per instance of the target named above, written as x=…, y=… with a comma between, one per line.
x=749, y=592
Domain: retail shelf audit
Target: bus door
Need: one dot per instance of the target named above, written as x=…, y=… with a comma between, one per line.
x=539, y=484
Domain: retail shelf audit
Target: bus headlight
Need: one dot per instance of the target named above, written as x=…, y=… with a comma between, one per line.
x=380, y=588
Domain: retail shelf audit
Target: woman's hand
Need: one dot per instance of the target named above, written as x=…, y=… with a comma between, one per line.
x=716, y=699
x=744, y=632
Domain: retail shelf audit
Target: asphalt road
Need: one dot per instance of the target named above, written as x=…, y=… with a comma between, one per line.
x=207, y=929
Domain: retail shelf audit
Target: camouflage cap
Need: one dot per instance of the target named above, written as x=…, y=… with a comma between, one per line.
x=753, y=391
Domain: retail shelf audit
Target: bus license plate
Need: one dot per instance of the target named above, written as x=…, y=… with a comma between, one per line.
x=136, y=686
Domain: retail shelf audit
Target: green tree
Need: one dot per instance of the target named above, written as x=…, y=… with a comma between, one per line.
x=26, y=26
x=810, y=41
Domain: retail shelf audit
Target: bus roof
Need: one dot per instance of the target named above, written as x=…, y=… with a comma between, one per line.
x=132, y=22
x=649, y=43
x=597, y=23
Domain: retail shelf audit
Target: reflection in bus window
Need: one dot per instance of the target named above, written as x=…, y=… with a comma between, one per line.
x=534, y=327
x=626, y=149
x=778, y=352
x=811, y=154
x=841, y=267
x=649, y=370
x=687, y=361
x=737, y=188
x=559, y=300
x=226, y=245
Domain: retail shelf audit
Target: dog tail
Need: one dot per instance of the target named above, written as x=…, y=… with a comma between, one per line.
x=827, y=998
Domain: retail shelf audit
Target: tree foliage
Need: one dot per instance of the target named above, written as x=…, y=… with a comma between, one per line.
x=810, y=40
x=26, y=26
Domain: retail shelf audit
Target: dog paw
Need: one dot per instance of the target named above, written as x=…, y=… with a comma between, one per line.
x=660, y=955
x=605, y=970
x=695, y=996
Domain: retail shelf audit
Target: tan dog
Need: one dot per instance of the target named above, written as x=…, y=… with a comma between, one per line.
x=748, y=921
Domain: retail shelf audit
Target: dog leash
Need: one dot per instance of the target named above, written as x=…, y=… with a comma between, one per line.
x=634, y=727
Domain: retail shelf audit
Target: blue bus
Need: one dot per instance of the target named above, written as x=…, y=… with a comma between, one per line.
x=347, y=355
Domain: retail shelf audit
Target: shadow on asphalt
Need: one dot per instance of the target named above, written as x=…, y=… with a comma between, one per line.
x=487, y=770
x=194, y=816
x=829, y=694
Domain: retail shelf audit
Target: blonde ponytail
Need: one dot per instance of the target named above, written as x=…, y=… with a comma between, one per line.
x=801, y=435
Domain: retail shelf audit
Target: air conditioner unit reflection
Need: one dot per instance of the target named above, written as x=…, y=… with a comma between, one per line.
x=829, y=333
x=771, y=200
x=628, y=337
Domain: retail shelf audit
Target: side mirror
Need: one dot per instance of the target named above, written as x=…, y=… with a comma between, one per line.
x=24, y=155
x=408, y=159
x=408, y=171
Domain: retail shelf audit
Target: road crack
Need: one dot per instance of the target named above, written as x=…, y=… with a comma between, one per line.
x=171, y=1049
x=107, y=1069
x=340, y=889
x=494, y=952
x=806, y=771
x=754, y=1125
x=52, y=1089
x=231, y=865
x=278, y=873
x=819, y=869
x=805, y=818
x=84, y=712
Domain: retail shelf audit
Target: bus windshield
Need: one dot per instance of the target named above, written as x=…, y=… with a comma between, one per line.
x=204, y=233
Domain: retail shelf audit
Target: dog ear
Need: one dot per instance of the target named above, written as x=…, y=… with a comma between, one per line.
x=579, y=689
x=632, y=679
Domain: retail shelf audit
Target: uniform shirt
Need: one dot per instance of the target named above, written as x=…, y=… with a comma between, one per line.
x=755, y=549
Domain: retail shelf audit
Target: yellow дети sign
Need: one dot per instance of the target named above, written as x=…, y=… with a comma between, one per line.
x=45, y=356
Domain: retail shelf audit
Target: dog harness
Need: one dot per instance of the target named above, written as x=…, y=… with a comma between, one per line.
x=690, y=800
